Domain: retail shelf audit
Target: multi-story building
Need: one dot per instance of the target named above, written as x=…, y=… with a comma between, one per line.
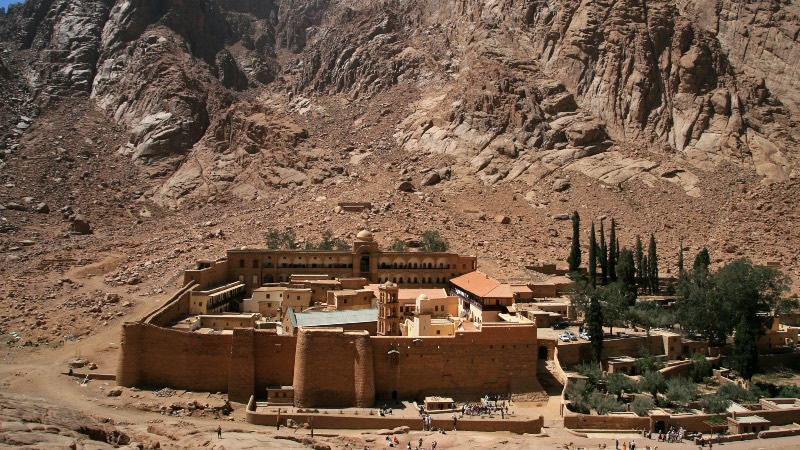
x=255, y=267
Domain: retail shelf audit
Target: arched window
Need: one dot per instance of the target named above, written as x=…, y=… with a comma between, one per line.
x=241, y=264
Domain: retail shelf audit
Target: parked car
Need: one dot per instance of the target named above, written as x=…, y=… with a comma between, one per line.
x=564, y=337
x=572, y=336
x=623, y=334
x=561, y=325
x=585, y=336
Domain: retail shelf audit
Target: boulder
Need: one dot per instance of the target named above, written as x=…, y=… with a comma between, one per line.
x=431, y=178
x=561, y=217
x=116, y=392
x=16, y=206
x=561, y=185
x=505, y=220
x=42, y=208
x=81, y=225
x=405, y=186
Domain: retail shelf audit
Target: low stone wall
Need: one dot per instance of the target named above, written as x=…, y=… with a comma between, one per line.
x=376, y=422
x=606, y=422
x=778, y=433
x=173, y=308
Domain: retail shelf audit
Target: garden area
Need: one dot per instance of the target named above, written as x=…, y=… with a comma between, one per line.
x=602, y=393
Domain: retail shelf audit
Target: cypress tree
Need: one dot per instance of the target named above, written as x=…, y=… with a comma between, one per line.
x=595, y=319
x=626, y=274
x=603, y=255
x=574, y=259
x=702, y=261
x=639, y=258
x=593, y=258
x=652, y=259
x=612, y=252
x=645, y=284
x=681, y=270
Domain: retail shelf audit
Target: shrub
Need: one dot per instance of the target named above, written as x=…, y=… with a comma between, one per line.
x=701, y=368
x=642, y=404
x=652, y=382
x=577, y=393
x=617, y=384
x=681, y=390
x=736, y=393
x=789, y=392
x=432, y=241
x=647, y=362
x=604, y=403
x=398, y=245
x=714, y=404
x=591, y=371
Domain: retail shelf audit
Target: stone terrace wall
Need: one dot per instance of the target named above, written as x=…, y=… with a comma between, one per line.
x=499, y=359
x=575, y=353
x=158, y=357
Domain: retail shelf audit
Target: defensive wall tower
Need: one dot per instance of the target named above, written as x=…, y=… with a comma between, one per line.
x=333, y=368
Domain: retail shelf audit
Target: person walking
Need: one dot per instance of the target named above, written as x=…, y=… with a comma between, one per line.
x=455, y=422
x=219, y=432
x=616, y=447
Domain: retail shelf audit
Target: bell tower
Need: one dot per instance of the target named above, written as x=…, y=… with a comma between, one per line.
x=388, y=310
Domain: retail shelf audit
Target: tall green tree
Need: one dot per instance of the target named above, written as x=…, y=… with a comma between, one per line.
x=701, y=261
x=603, y=255
x=645, y=283
x=639, y=256
x=652, y=261
x=681, y=269
x=616, y=303
x=595, y=320
x=613, y=251
x=593, y=258
x=626, y=274
x=574, y=259
x=580, y=293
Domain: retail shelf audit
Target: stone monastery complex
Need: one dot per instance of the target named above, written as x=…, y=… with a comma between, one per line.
x=310, y=328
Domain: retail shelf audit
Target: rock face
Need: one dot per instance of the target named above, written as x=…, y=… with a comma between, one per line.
x=512, y=90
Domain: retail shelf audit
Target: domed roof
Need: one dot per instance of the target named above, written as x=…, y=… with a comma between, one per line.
x=364, y=235
x=422, y=297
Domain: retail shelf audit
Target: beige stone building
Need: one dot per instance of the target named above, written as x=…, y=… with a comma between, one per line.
x=256, y=267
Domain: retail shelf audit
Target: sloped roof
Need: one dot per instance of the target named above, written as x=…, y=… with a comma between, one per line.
x=483, y=285
x=333, y=318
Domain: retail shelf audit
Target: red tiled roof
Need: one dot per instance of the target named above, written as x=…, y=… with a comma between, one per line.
x=476, y=282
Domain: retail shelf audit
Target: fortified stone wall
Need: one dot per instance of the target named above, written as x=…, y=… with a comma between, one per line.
x=329, y=367
x=333, y=368
x=157, y=357
x=212, y=276
x=499, y=359
x=176, y=306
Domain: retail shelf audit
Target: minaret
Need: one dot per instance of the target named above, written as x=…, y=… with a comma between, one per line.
x=388, y=310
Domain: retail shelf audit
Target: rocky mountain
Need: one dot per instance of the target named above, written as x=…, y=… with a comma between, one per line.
x=511, y=89
x=620, y=107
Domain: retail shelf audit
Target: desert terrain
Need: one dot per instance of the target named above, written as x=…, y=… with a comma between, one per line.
x=138, y=137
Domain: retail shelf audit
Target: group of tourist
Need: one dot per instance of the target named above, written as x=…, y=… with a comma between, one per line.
x=395, y=443
x=485, y=407
x=672, y=435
